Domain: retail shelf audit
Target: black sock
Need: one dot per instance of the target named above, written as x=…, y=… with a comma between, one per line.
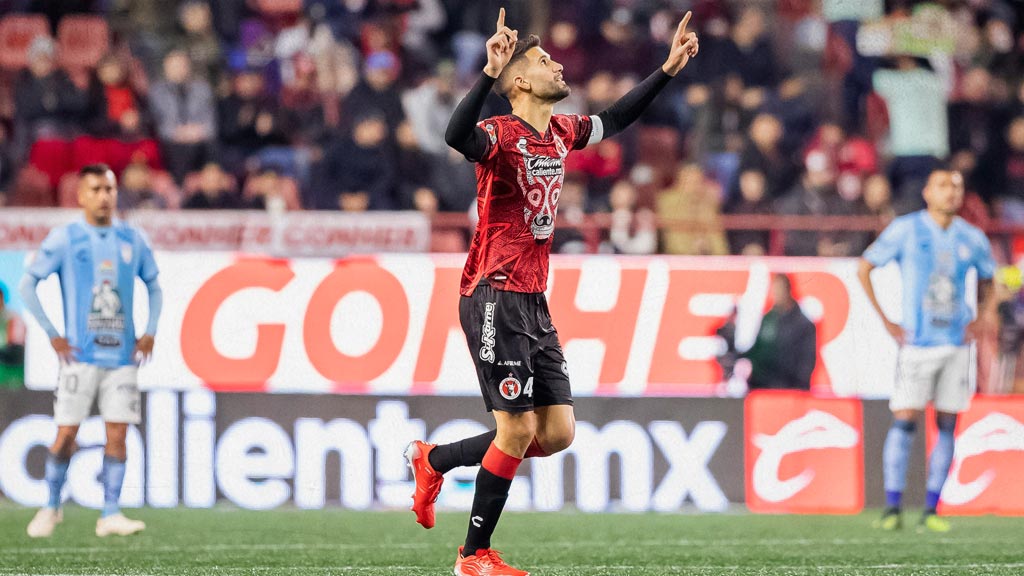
x=466, y=452
x=488, y=502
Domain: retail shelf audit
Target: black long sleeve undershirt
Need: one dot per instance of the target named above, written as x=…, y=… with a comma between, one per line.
x=464, y=135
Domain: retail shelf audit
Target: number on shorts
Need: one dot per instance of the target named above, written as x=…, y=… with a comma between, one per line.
x=529, y=387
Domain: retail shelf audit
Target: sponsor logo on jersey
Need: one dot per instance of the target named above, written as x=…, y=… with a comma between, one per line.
x=487, y=334
x=803, y=454
x=106, y=313
x=510, y=388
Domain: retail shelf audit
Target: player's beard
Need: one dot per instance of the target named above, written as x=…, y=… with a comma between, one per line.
x=559, y=92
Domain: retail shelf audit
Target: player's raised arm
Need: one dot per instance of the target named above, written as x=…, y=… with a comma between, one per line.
x=627, y=109
x=462, y=133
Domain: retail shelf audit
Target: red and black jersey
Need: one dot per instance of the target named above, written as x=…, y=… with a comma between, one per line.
x=519, y=179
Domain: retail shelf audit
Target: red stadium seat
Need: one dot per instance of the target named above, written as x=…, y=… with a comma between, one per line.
x=279, y=7
x=67, y=191
x=83, y=40
x=447, y=241
x=32, y=188
x=51, y=157
x=16, y=34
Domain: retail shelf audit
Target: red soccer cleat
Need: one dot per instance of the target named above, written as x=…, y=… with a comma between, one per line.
x=485, y=563
x=428, y=482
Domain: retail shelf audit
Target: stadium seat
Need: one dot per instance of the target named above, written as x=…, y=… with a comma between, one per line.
x=279, y=7
x=116, y=153
x=51, y=157
x=16, y=34
x=32, y=188
x=83, y=40
x=67, y=191
x=447, y=241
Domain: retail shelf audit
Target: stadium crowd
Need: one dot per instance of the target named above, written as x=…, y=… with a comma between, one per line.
x=794, y=107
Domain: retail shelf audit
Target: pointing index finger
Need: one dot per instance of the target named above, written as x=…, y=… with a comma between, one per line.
x=681, y=31
x=501, y=19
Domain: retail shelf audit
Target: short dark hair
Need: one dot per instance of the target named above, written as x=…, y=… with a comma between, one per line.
x=98, y=169
x=503, y=86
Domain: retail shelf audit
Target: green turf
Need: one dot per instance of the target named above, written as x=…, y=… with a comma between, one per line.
x=226, y=541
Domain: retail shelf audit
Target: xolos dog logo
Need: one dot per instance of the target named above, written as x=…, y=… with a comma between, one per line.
x=510, y=388
x=803, y=454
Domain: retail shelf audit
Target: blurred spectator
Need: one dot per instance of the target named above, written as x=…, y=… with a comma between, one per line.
x=264, y=190
x=430, y=105
x=1010, y=201
x=850, y=157
x=377, y=92
x=414, y=169
x=184, y=110
x=785, y=351
x=1011, y=328
x=47, y=104
x=569, y=237
x=360, y=168
x=564, y=46
x=146, y=26
x=12, y=344
x=250, y=119
x=6, y=164
x=918, y=123
x=764, y=153
x=696, y=201
x=975, y=124
x=214, y=191
x=116, y=108
x=426, y=19
x=633, y=230
x=454, y=182
x=136, y=189
x=748, y=50
x=815, y=195
x=199, y=39
x=752, y=202
x=620, y=49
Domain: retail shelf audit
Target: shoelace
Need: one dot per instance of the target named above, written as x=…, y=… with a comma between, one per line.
x=495, y=557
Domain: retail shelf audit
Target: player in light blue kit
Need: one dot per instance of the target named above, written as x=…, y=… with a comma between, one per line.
x=97, y=259
x=935, y=249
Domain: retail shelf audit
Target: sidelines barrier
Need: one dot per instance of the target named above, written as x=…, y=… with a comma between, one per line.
x=388, y=324
x=777, y=452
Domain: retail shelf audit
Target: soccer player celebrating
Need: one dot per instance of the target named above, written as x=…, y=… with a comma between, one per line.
x=503, y=311
x=97, y=259
x=935, y=250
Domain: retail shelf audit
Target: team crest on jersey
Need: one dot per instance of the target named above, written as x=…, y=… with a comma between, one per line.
x=510, y=388
x=106, y=313
x=491, y=134
x=964, y=252
x=126, y=252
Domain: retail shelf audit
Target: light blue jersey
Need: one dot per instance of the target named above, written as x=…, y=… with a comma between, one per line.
x=934, y=265
x=97, y=269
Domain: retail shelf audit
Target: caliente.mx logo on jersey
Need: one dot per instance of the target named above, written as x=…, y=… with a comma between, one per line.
x=540, y=179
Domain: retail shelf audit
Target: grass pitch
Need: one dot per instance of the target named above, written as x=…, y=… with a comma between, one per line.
x=227, y=541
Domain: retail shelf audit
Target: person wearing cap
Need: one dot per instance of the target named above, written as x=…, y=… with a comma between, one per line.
x=376, y=92
x=47, y=103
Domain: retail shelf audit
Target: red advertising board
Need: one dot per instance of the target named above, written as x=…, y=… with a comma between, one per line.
x=804, y=455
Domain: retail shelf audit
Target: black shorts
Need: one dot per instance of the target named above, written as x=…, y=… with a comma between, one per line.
x=519, y=361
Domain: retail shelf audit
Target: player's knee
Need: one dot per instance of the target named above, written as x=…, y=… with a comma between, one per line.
x=559, y=441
